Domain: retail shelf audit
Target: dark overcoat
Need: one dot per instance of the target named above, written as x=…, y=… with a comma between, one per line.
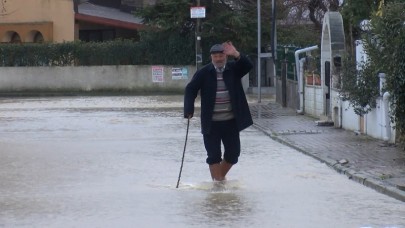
x=205, y=81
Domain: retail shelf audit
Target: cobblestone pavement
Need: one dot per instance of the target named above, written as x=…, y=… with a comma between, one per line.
x=364, y=159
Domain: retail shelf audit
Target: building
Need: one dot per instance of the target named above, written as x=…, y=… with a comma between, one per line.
x=101, y=23
x=37, y=21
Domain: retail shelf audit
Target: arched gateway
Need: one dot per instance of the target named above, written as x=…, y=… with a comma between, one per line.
x=332, y=51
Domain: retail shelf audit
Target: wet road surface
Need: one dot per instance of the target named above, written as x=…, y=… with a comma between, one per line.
x=114, y=162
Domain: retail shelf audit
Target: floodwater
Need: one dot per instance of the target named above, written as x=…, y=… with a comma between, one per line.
x=115, y=161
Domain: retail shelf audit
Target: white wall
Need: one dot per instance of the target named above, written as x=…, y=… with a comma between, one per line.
x=374, y=124
x=374, y=121
x=350, y=121
x=313, y=100
x=54, y=79
x=131, y=78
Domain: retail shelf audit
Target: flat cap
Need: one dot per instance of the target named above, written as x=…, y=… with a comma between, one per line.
x=217, y=48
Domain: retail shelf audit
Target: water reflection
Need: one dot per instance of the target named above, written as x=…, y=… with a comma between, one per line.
x=224, y=208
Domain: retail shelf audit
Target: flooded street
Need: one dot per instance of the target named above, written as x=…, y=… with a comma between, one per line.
x=114, y=162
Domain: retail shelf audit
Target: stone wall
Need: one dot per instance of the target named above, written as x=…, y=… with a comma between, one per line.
x=82, y=79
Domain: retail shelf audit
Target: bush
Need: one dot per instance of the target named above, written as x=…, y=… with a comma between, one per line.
x=385, y=47
x=360, y=87
x=388, y=54
x=172, y=51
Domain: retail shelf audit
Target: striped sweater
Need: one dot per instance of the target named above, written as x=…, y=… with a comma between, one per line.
x=222, y=107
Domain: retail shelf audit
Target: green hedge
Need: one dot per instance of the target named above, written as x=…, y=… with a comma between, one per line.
x=118, y=52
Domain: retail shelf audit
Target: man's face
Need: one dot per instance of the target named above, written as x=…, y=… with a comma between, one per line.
x=218, y=59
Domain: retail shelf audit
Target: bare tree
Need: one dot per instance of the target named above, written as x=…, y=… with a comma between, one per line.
x=307, y=10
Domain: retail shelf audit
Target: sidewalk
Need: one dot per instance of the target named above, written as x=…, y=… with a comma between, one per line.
x=366, y=160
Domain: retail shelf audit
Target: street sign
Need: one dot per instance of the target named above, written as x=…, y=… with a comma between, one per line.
x=265, y=55
x=197, y=12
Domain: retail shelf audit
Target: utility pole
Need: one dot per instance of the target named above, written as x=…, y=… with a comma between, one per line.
x=259, y=52
x=260, y=55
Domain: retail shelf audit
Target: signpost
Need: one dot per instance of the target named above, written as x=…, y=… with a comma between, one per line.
x=198, y=12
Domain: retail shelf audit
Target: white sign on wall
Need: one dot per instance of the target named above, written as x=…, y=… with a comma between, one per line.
x=179, y=73
x=157, y=74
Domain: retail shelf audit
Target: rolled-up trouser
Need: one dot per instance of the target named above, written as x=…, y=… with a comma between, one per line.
x=226, y=132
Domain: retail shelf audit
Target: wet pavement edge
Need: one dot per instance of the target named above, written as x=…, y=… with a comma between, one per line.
x=358, y=174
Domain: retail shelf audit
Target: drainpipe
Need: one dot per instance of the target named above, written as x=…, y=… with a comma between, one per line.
x=340, y=112
x=301, y=85
x=300, y=79
x=387, y=125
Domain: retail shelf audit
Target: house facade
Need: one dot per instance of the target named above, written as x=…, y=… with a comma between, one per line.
x=36, y=21
x=57, y=21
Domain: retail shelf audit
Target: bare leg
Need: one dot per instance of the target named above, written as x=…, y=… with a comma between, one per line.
x=225, y=167
x=219, y=170
x=216, y=172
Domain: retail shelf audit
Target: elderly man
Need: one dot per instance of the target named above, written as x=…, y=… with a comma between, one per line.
x=224, y=108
